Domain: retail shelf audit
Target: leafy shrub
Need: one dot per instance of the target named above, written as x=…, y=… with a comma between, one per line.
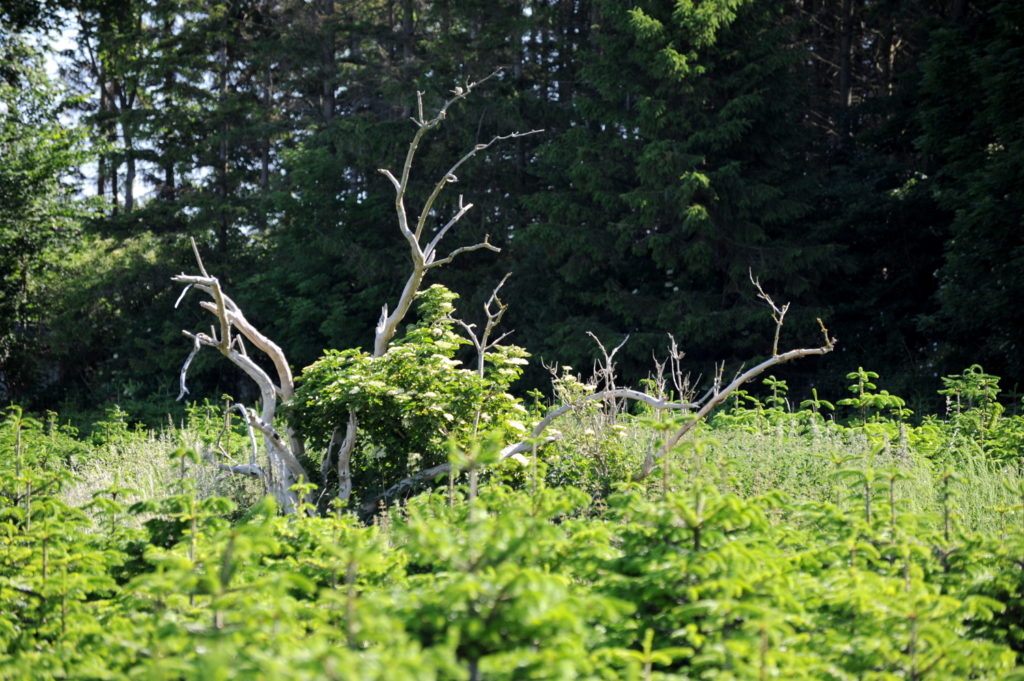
x=412, y=400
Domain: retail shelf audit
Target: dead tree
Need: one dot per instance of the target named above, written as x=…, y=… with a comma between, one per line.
x=231, y=327
x=697, y=410
x=231, y=330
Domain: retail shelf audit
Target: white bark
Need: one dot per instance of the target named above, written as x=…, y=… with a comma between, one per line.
x=704, y=406
x=423, y=257
x=284, y=469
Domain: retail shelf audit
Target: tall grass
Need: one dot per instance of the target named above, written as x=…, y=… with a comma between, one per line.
x=807, y=460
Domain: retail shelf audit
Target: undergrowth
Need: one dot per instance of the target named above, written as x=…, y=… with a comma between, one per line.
x=775, y=543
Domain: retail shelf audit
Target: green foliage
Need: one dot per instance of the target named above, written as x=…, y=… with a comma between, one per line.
x=667, y=191
x=684, y=143
x=593, y=451
x=977, y=140
x=39, y=212
x=865, y=400
x=787, y=546
x=973, y=388
x=412, y=400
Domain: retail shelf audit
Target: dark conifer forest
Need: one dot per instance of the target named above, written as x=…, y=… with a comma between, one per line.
x=862, y=159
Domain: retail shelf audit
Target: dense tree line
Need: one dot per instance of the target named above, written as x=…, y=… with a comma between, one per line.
x=862, y=158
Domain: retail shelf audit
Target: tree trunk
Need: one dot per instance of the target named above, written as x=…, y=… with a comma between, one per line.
x=127, y=103
x=101, y=164
x=167, y=159
x=222, y=155
x=408, y=26
x=328, y=64
x=268, y=112
x=845, y=62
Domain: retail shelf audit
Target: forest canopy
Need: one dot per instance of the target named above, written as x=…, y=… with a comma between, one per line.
x=863, y=159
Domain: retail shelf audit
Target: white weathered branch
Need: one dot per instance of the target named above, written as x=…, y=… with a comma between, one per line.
x=778, y=313
x=450, y=176
x=485, y=244
x=247, y=469
x=253, y=452
x=278, y=443
x=394, y=180
x=529, y=442
x=388, y=324
x=430, y=251
x=197, y=345
x=424, y=258
x=345, y=458
x=720, y=396
x=483, y=342
x=280, y=453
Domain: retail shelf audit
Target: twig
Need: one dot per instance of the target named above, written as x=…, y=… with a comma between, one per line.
x=778, y=313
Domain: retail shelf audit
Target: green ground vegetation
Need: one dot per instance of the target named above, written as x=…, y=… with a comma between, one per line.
x=812, y=540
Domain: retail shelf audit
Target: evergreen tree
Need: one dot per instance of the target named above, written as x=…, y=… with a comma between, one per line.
x=678, y=178
x=973, y=119
x=39, y=213
x=872, y=201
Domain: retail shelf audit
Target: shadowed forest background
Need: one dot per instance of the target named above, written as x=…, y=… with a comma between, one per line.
x=863, y=159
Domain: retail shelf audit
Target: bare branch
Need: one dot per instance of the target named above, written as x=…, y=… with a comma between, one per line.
x=273, y=438
x=431, y=248
x=199, y=259
x=286, y=384
x=460, y=92
x=370, y=506
x=197, y=345
x=248, y=429
x=607, y=367
x=485, y=244
x=325, y=465
x=625, y=393
x=181, y=296
x=778, y=313
x=680, y=381
x=345, y=458
x=720, y=396
x=229, y=315
x=605, y=371
x=249, y=469
x=388, y=324
x=424, y=259
x=450, y=176
x=483, y=342
x=394, y=180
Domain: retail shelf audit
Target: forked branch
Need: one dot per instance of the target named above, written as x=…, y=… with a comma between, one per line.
x=714, y=396
x=494, y=310
x=719, y=396
x=778, y=313
x=282, y=451
x=424, y=257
